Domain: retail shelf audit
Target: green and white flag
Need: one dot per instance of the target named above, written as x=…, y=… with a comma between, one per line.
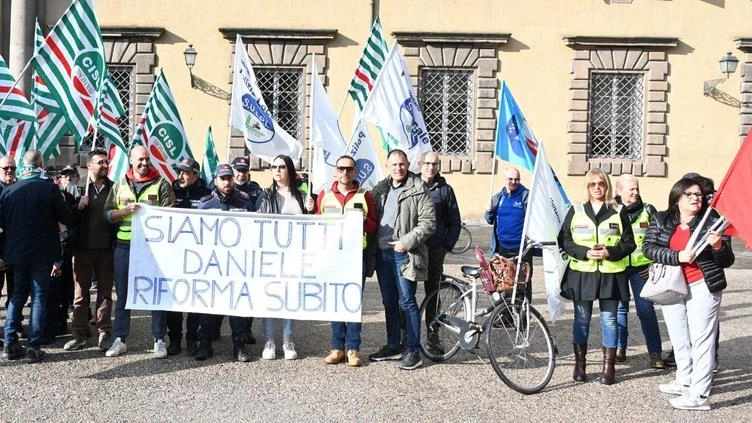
x=111, y=108
x=16, y=105
x=211, y=161
x=71, y=64
x=17, y=117
x=161, y=130
x=118, y=161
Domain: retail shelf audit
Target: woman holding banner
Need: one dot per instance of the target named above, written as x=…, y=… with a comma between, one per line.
x=598, y=239
x=692, y=323
x=282, y=197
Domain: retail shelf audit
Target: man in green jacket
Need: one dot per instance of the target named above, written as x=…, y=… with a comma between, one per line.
x=406, y=220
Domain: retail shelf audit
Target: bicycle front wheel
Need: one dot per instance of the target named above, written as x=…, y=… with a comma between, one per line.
x=463, y=242
x=520, y=347
x=443, y=311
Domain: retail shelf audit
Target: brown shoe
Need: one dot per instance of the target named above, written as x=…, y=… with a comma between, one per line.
x=655, y=361
x=353, y=358
x=335, y=357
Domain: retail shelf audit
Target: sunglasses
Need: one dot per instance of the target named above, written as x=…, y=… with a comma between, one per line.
x=8, y=168
x=345, y=168
x=280, y=167
x=103, y=162
x=601, y=184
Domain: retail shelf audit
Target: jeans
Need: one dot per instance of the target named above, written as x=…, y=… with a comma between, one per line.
x=161, y=321
x=34, y=280
x=583, y=311
x=646, y=314
x=122, y=326
x=348, y=333
x=270, y=324
x=398, y=293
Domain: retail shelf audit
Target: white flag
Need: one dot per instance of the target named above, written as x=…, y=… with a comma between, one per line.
x=326, y=136
x=546, y=210
x=263, y=136
x=366, y=161
x=392, y=106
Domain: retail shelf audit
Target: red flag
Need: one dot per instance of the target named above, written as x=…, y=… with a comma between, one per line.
x=732, y=198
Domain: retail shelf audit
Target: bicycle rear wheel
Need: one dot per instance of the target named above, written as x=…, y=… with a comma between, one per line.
x=520, y=347
x=443, y=311
x=463, y=242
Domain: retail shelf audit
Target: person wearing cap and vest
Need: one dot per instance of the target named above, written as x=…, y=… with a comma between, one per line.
x=140, y=185
x=640, y=215
x=597, y=236
x=243, y=182
x=346, y=194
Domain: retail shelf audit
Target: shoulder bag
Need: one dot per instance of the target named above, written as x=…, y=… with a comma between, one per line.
x=666, y=284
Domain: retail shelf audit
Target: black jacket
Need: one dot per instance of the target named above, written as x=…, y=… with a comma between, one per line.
x=195, y=192
x=448, y=220
x=711, y=262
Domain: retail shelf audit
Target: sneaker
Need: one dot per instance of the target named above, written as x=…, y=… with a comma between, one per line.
x=270, y=351
x=715, y=366
x=204, y=351
x=105, y=341
x=669, y=359
x=174, y=348
x=289, y=349
x=410, y=360
x=655, y=361
x=191, y=347
x=118, y=348
x=335, y=357
x=621, y=355
x=686, y=402
x=160, y=349
x=673, y=387
x=13, y=351
x=33, y=355
x=240, y=351
x=386, y=353
x=74, y=344
x=353, y=358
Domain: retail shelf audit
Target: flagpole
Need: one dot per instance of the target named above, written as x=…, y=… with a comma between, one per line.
x=344, y=101
x=525, y=225
x=10, y=91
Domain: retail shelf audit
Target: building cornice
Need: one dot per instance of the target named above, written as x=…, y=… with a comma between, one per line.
x=131, y=32
x=642, y=42
x=319, y=36
x=421, y=38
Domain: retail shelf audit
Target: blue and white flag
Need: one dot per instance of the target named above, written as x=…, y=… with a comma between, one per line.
x=366, y=161
x=326, y=136
x=264, y=138
x=546, y=209
x=515, y=142
x=392, y=106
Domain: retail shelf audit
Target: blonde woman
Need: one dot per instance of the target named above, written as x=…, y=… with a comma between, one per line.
x=598, y=238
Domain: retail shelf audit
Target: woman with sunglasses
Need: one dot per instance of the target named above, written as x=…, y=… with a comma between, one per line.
x=282, y=197
x=598, y=238
x=692, y=323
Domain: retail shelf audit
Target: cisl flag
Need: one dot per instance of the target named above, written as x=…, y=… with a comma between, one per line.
x=264, y=138
x=161, y=131
x=71, y=64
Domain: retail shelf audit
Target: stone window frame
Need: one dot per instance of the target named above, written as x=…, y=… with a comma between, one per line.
x=477, y=51
x=124, y=46
x=629, y=54
x=745, y=105
x=281, y=48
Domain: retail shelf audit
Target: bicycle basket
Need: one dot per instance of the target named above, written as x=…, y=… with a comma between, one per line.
x=486, y=277
x=504, y=270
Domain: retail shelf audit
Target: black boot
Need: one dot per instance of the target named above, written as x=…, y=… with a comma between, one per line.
x=205, y=351
x=580, y=360
x=608, y=376
x=174, y=348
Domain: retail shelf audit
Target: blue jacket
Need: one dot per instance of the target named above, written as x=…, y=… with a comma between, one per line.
x=217, y=200
x=512, y=223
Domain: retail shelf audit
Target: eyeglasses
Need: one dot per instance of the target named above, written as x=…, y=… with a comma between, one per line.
x=431, y=163
x=693, y=194
x=513, y=179
x=345, y=168
x=601, y=184
x=280, y=167
x=8, y=168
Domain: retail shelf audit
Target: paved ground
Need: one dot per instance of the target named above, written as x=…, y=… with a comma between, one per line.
x=85, y=385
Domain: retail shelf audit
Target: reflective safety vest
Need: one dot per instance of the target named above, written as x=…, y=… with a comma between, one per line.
x=585, y=233
x=124, y=196
x=640, y=228
x=331, y=205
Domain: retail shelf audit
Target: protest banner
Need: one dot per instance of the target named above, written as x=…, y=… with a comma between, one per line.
x=247, y=264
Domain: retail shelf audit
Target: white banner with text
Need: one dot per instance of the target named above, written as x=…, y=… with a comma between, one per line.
x=247, y=264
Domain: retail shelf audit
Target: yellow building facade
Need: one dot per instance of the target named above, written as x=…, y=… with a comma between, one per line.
x=615, y=84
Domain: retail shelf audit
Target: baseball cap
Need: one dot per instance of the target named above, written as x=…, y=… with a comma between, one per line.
x=240, y=163
x=224, y=170
x=189, y=165
x=68, y=169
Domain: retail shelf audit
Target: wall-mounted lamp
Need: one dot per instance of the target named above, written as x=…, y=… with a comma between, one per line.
x=728, y=64
x=190, y=54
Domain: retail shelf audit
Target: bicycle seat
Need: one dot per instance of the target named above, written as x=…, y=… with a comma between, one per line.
x=471, y=271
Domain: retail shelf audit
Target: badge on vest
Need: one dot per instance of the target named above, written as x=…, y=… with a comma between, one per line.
x=643, y=225
x=614, y=226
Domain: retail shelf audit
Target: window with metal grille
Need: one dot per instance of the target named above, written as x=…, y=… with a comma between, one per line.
x=447, y=100
x=283, y=90
x=122, y=76
x=616, y=115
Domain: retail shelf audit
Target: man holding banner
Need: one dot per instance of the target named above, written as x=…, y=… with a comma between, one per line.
x=346, y=194
x=141, y=184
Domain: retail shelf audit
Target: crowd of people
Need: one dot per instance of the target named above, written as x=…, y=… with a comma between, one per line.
x=82, y=235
